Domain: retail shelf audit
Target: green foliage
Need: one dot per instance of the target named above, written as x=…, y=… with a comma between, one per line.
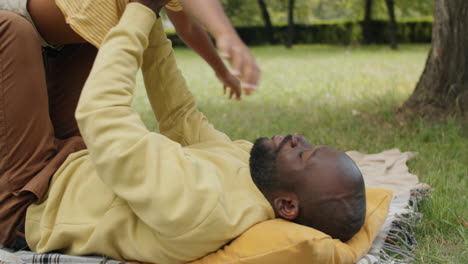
x=411, y=8
x=247, y=12
x=345, y=97
x=333, y=32
x=242, y=12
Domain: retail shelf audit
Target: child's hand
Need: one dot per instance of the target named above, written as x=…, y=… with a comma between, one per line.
x=243, y=65
x=210, y=14
x=231, y=82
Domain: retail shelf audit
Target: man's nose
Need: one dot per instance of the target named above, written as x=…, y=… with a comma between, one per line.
x=294, y=141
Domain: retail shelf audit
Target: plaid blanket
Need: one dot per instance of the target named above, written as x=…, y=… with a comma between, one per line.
x=28, y=257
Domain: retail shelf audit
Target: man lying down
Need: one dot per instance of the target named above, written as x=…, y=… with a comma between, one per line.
x=181, y=194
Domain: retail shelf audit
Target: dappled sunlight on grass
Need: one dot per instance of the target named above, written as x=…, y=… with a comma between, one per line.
x=346, y=97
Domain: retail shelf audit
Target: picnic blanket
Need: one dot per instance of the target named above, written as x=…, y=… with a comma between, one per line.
x=393, y=245
x=395, y=242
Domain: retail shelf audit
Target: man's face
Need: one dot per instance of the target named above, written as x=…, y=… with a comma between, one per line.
x=290, y=153
x=320, y=176
x=316, y=186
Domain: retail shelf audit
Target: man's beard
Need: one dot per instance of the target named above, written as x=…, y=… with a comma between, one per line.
x=263, y=165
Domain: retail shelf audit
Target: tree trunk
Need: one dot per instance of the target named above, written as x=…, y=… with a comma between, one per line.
x=442, y=89
x=290, y=38
x=267, y=21
x=367, y=24
x=393, y=23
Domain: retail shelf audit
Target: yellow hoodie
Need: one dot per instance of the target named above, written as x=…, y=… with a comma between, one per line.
x=92, y=19
x=139, y=195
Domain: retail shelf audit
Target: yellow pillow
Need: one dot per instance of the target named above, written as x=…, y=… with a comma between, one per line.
x=280, y=241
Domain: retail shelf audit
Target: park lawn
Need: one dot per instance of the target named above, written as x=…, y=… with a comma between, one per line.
x=346, y=97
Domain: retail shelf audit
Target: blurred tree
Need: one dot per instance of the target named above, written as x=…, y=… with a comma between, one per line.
x=393, y=23
x=367, y=23
x=267, y=21
x=290, y=37
x=442, y=89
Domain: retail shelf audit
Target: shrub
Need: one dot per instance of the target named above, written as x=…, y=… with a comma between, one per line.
x=336, y=32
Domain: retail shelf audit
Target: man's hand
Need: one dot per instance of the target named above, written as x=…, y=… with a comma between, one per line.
x=243, y=64
x=155, y=5
x=231, y=82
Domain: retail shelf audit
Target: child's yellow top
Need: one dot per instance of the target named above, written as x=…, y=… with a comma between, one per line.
x=92, y=19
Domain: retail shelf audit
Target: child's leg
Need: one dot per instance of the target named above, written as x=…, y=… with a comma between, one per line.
x=27, y=142
x=67, y=71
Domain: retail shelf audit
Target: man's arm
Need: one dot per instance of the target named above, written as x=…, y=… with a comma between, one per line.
x=148, y=170
x=172, y=102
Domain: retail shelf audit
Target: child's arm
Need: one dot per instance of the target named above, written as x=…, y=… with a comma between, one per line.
x=196, y=38
x=210, y=14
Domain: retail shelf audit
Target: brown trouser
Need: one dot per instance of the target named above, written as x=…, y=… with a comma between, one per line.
x=39, y=90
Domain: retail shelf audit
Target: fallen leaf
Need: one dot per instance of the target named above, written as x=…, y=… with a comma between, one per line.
x=463, y=221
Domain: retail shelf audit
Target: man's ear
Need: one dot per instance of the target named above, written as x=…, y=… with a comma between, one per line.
x=286, y=206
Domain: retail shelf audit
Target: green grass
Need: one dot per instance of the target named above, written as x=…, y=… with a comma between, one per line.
x=346, y=97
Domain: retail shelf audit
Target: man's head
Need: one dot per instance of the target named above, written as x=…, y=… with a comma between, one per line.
x=316, y=186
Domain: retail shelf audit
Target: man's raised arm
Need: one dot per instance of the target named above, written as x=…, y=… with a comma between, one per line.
x=172, y=103
x=145, y=169
x=105, y=117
